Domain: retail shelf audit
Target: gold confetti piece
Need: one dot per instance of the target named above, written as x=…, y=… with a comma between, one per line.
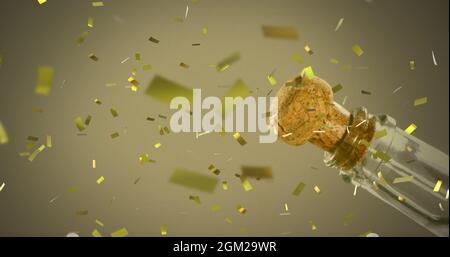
x=146, y=67
x=437, y=187
x=110, y=84
x=339, y=24
x=144, y=158
x=364, y=92
x=228, y=220
x=194, y=180
x=81, y=212
x=355, y=190
x=2, y=186
x=286, y=208
x=100, y=180
x=241, y=209
x=157, y=145
x=90, y=22
x=357, y=50
x=313, y=226
x=205, y=31
x=184, y=65
x=94, y=164
x=401, y=199
x=49, y=141
x=397, y=89
x=337, y=88
x=410, y=129
x=225, y=63
x=446, y=195
x=299, y=189
x=434, y=58
x=403, y=179
x=216, y=208
x=317, y=189
x=240, y=139
x=334, y=61
x=41, y=1
x=44, y=80
x=4, y=139
x=420, y=101
x=137, y=56
x=96, y=233
x=308, y=49
x=36, y=152
x=298, y=58
x=272, y=80
x=154, y=40
x=114, y=135
x=380, y=134
x=79, y=123
x=93, y=57
x=165, y=90
x=441, y=207
x=280, y=32
x=308, y=71
x=123, y=232
x=82, y=38
x=72, y=189
x=195, y=199
x=256, y=171
x=213, y=169
x=32, y=138
x=348, y=218
x=225, y=185
x=412, y=65
x=137, y=180
x=98, y=4
x=87, y=121
x=381, y=155
x=163, y=230
x=114, y=112
x=246, y=184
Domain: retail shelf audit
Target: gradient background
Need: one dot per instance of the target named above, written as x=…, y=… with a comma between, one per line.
x=390, y=32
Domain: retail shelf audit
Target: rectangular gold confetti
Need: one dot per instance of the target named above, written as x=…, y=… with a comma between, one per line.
x=420, y=101
x=412, y=65
x=4, y=139
x=41, y=1
x=97, y=101
x=96, y=233
x=337, y=88
x=380, y=134
x=157, y=145
x=225, y=63
x=82, y=38
x=163, y=230
x=123, y=232
x=32, y=138
x=308, y=49
x=87, y=121
x=81, y=212
x=299, y=189
x=184, y=65
x=36, y=152
x=213, y=169
x=225, y=185
x=195, y=199
x=382, y=155
x=44, y=80
x=137, y=56
x=246, y=184
x=79, y=123
x=240, y=139
x=100, y=180
x=90, y=22
x=437, y=187
x=49, y=141
x=114, y=112
x=205, y=31
x=98, y=4
x=410, y=129
x=114, y=135
x=446, y=195
x=317, y=189
x=308, y=72
x=280, y=32
x=165, y=90
x=154, y=40
x=94, y=164
x=194, y=180
x=2, y=186
x=272, y=80
x=403, y=179
x=256, y=171
x=241, y=209
x=93, y=57
x=339, y=24
x=357, y=50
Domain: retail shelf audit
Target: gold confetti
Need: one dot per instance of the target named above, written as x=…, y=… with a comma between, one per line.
x=216, y=208
x=88, y=120
x=411, y=128
x=225, y=63
x=146, y=67
x=123, y=232
x=257, y=171
x=401, y=199
x=163, y=230
x=441, y=207
x=114, y=135
x=96, y=233
x=195, y=199
x=240, y=139
x=154, y=40
x=437, y=187
x=97, y=101
x=114, y=112
x=348, y=218
x=313, y=226
x=381, y=155
x=82, y=38
x=434, y=58
x=165, y=90
x=412, y=65
x=365, y=92
x=49, y=141
x=280, y=32
x=403, y=179
x=308, y=71
x=241, y=209
x=137, y=56
x=225, y=185
x=272, y=80
x=41, y=1
x=298, y=58
x=90, y=22
x=184, y=65
x=420, y=101
x=100, y=180
x=317, y=189
x=246, y=184
x=79, y=123
x=98, y=4
x=308, y=49
x=334, y=61
x=4, y=139
x=204, y=31
x=228, y=220
x=339, y=24
x=32, y=138
x=44, y=80
x=2, y=186
x=93, y=57
x=213, y=169
x=357, y=50
x=337, y=88
x=81, y=212
x=446, y=195
x=194, y=180
x=380, y=134
x=36, y=152
x=157, y=145
x=299, y=189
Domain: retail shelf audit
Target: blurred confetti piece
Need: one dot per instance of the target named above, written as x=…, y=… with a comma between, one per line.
x=187, y=12
x=125, y=60
x=87, y=121
x=272, y=80
x=228, y=220
x=93, y=57
x=420, y=101
x=157, y=145
x=114, y=135
x=280, y=32
x=44, y=80
x=100, y=180
x=308, y=49
x=36, y=152
x=120, y=233
x=90, y=22
x=216, y=208
x=96, y=233
x=114, y=112
x=410, y=129
x=348, y=218
x=298, y=58
x=257, y=171
x=224, y=185
x=308, y=72
x=412, y=65
x=299, y=189
x=403, y=179
x=437, y=187
x=163, y=230
x=364, y=92
x=446, y=195
x=98, y=4
x=81, y=212
x=357, y=50
x=41, y=1
x=146, y=67
x=94, y=164
x=82, y=38
x=246, y=184
x=381, y=155
x=229, y=60
x=434, y=58
x=193, y=180
x=379, y=134
x=4, y=139
x=337, y=88
x=184, y=65
x=79, y=123
x=72, y=234
x=137, y=56
x=441, y=207
x=49, y=141
x=213, y=169
x=195, y=199
x=317, y=189
x=32, y=138
x=240, y=139
x=313, y=226
x=334, y=61
x=205, y=31
x=339, y=24
x=241, y=209
x=2, y=186
x=154, y=40
x=165, y=90
x=396, y=90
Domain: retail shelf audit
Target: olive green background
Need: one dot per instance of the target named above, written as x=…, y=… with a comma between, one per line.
x=390, y=32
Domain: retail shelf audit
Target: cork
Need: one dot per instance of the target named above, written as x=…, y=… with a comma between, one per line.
x=307, y=113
